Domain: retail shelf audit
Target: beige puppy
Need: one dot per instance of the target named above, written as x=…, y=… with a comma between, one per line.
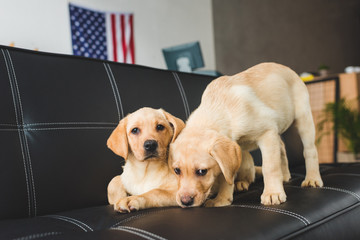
x=142, y=139
x=251, y=109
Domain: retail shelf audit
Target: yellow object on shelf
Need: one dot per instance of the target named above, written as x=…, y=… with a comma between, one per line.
x=307, y=77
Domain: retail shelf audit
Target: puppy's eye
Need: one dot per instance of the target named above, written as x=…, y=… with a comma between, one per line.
x=160, y=127
x=201, y=172
x=135, y=131
x=177, y=171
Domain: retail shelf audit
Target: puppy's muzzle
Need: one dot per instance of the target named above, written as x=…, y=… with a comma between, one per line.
x=150, y=146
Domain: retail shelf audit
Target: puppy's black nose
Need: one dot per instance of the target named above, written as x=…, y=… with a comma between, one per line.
x=187, y=201
x=150, y=145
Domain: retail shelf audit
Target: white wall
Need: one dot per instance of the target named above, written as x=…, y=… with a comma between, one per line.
x=44, y=24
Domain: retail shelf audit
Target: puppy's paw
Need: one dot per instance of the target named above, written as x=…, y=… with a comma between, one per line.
x=312, y=182
x=128, y=204
x=217, y=202
x=286, y=177
x=273, y=198
x=242, y=186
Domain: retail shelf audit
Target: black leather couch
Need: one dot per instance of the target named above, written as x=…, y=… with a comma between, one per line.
x=56, y=113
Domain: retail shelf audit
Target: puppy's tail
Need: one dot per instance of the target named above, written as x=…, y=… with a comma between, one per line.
x=258, y=171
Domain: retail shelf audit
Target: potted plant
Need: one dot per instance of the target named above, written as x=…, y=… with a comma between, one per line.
x=323, y=70
x=346, y=121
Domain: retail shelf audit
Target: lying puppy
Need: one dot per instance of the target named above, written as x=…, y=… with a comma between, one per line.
x=251, y=109
x=142, y=139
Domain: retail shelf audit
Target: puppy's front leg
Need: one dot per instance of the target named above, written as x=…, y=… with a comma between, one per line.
x=224, y=196
x=154, y=198
x=116, y=190
x=270, y=144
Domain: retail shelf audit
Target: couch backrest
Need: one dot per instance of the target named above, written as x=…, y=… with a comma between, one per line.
x=56, y=113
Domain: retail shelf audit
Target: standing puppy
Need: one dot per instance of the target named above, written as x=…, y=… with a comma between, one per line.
x=142, y=139
x=250, y=109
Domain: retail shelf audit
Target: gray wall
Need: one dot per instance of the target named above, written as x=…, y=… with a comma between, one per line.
x=302, y=34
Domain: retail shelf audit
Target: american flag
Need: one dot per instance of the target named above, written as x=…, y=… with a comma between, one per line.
x=103, y=35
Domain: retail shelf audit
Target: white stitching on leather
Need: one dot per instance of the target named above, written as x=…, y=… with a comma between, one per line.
x=117, y=91
x=32, y=175
x=133, y=232
x=50, y=129
x=136, y=217
x=73, y=221
x=66, y=128
x=38, y=235
x=281, y=211
x=76, y=220
x=68, y=123
x=19, y=133
x=143, y=231
x=113, y=88
x=344, y=191
x=8, y=125
x=357, y=196
x=182, y=93
x=10, y=130
x=139, y=232
x=11, y=86
x=29, y=125
x=26, y=142
x=344, y=174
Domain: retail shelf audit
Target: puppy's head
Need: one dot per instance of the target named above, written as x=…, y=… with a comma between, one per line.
x=199, y=159
x=146, y=134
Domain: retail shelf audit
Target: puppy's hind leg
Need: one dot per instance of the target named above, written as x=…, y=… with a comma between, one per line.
x=306, y=128
x=284, y=163
x=246, y=173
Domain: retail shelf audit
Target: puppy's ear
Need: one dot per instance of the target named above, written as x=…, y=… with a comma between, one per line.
x=170, y=159
x=177, y=123
x=118, y=141
x=227, y=154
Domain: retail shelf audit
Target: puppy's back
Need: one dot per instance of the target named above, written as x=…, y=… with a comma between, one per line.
x=267, y=90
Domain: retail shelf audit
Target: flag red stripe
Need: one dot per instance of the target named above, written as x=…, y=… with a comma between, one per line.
x=123, y=41
x=132, y=49
x=113, y=32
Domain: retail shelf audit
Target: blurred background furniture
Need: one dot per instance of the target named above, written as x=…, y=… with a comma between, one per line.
x=187, y=58
x=330, y=89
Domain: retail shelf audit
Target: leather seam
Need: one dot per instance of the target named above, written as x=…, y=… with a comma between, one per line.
x=136, y=217
x=301, y=218
x=115, y=89
x=74, y=221
x=343, y=174
x=66, y=128
x=58, y=126
x=18, y=130
x=56, y=129
x=38, y=235
x=344, y=191
x=182, y=93
x=25, y=142
x=69, y=123
x=320, y=222
x=355, y=195
x=139, y=232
